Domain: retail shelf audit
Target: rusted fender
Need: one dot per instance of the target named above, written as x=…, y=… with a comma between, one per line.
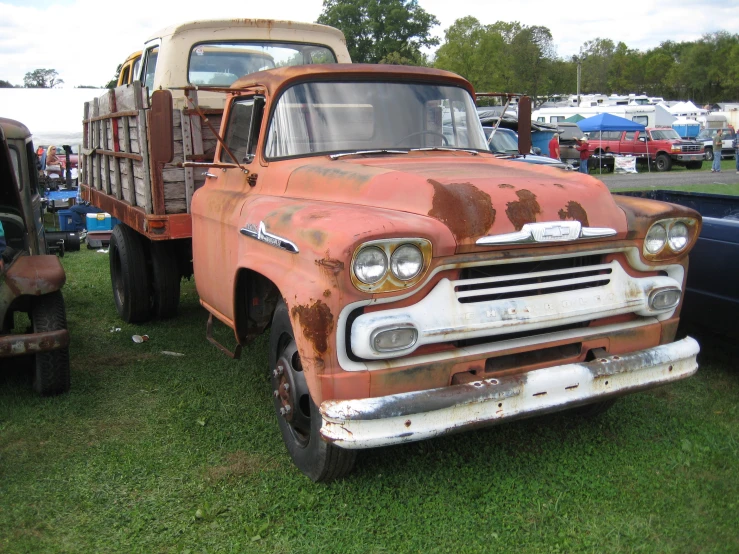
x=30, y=275
x=642, y=212
x=32, y=343
x=473, y=196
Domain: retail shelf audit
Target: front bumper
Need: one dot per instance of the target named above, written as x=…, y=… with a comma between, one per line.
x=373, y=422
x=690, y=157
x=33, y=343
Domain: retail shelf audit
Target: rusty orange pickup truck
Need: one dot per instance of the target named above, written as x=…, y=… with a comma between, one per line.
x=412, y=284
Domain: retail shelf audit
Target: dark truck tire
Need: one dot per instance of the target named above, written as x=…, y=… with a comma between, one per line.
x=129, y=275
x=51, y=372
x=300, y=427
x=709, y=154
x=663, y=162
x=165, y=280
x=694, y=165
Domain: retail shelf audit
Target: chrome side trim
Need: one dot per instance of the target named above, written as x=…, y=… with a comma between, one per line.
x=547, y=231
x=262, y=235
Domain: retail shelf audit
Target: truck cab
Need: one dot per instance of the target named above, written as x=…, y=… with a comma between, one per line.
x=413, y=284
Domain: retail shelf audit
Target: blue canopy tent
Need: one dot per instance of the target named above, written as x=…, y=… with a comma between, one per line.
x=609, y=122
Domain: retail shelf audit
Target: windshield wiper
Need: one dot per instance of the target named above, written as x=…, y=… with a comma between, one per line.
x=444, y=149
x=362, y=152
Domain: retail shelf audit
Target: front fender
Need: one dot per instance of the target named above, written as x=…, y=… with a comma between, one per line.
x=315, y=282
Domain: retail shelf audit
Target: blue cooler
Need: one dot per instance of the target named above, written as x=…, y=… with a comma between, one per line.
x=66, y=221
x=101, y=222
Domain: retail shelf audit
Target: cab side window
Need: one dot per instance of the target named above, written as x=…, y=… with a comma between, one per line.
x=630, y=135
x=151, y=64
x=242, y=132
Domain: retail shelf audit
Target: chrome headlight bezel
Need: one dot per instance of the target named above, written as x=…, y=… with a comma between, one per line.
x=668, y=249
x=391, y=282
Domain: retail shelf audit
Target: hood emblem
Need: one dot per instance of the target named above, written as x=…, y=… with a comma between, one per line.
x=547, y=231
x=260, y=233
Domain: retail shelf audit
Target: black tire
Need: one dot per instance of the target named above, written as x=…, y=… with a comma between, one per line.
x=663, y=162
x=694, y=165
x=129, y=275
x=165, y=280
x=709, y=154
x=51, y=372
x=594, y=409
x=300, y=425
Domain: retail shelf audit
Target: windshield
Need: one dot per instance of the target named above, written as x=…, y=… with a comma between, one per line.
x=665, y=134
x=330, y=117
x=504, y=141
x=220, y=64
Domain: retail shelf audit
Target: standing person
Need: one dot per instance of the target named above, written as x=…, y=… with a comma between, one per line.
x=554, y=147
x=718, y=143
x=584, y=148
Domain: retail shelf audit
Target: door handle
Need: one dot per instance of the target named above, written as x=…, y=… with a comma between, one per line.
x=206, y=174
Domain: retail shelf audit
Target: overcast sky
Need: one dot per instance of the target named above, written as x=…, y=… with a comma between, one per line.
x=85, y=40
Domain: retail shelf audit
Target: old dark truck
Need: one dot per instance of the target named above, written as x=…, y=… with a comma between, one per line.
x=412, y=284
x=30, y=280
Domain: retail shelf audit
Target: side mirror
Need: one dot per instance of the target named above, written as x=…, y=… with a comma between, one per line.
x=161, y=134
x=524, y=125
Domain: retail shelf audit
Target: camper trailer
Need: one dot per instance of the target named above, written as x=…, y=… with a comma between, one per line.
x=649, y=116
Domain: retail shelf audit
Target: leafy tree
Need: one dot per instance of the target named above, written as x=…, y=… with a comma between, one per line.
x=375, y=31
x=42, y=78
x=597, y=57
x=5, y=84
x=473, y=51
x=114, y=81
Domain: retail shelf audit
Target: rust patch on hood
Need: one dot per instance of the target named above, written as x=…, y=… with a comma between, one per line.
x=524, y=210
x=559, y=185
x=505, y=186
x=575, y=211
x=463, y=208
x=331, y=264
x=316, y=322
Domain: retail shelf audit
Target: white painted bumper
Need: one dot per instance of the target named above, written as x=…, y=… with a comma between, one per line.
x=372, y=422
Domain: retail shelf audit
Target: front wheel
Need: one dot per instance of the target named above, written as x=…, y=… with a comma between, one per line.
x=51, y=375
x=663, y=162
x=297, y=415
x=709, y=154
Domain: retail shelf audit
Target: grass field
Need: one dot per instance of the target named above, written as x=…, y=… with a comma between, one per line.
x=151, y=452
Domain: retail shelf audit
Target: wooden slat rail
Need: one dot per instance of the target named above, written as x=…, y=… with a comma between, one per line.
x=112, y=116
x=111, y=153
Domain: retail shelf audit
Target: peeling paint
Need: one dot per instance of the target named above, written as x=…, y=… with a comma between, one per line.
x=463, y=208
x=332, y=264
x=316, y=322
x=524, y=210
x=575, y=211
x=505, y=186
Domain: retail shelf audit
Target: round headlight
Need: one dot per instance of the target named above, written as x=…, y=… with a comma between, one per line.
x=678, y=236
x=655, y=239
x=370, y=265
x=406, y=262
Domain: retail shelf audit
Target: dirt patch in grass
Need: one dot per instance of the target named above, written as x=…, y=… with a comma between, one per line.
x=238, y=464
x=96, y=363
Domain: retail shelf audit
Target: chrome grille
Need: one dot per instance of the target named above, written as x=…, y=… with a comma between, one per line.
x=499, y=282
x=691, y=148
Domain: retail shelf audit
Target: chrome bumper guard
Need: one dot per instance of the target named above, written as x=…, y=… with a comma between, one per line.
x=406, y=417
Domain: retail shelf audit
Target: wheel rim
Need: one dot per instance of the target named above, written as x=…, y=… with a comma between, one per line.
x=290, y=391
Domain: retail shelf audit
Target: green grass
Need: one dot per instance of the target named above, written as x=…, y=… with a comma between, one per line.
x=154, y=453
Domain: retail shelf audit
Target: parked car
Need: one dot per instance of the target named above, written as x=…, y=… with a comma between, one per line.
x=505, y=144
x=30, y=279
x=706, y=138
x=569, y=132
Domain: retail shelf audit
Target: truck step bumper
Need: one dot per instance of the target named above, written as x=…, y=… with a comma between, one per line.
x=33, y=343
x=373, y=422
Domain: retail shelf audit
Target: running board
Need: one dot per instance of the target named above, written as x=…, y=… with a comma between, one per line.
x=235, y=355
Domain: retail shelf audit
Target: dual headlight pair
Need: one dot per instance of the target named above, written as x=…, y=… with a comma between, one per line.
x=391, y=264
x=668, y=237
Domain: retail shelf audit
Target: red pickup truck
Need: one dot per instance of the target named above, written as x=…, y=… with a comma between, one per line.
x=662, y=146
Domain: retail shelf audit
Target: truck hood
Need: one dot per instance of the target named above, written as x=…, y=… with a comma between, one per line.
x=474, y=196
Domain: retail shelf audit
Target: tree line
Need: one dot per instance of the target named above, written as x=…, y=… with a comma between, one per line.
x=511, y=57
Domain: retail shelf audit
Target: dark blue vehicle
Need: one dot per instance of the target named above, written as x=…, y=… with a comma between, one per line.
x=712, y=292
